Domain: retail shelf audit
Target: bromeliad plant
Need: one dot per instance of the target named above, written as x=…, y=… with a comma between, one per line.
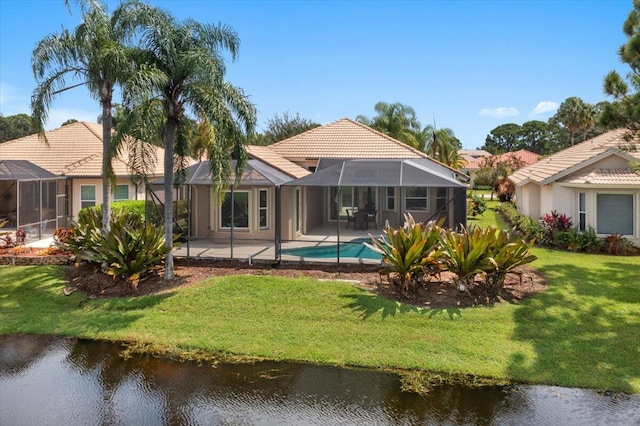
x=506, y=253
x=465, y=254
x=410, y=250
x=129, y=250
x=491, y=252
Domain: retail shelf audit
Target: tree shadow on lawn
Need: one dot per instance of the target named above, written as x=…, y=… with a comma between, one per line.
x=585, y=330
x=370, y=304
x=40, y=295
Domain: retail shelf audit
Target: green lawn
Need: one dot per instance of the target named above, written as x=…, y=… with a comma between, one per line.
x=584, y=331
x=489, y=217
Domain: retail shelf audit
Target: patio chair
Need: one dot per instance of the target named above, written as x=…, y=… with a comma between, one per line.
x=371, y=218
x=350, y=219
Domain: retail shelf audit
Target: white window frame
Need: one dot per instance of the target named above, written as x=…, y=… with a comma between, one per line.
x=633, y=209
x=425, y=198
x=264, y=208
x=235, y=193
x=83, y=201
x=582, y=211
x=390, y=197
x=115, y=191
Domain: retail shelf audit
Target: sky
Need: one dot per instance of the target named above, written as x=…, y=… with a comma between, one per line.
x=466, y=65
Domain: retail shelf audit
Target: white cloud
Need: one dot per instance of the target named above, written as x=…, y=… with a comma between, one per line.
x=500, y=112
x=544, y=107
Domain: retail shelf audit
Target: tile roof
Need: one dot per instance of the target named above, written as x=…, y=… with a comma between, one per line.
x=276, y=161
x=573, y=158
x=344, y=139
x=605, y=177
x=74, y=150
x=468, y=155
x=525, y=157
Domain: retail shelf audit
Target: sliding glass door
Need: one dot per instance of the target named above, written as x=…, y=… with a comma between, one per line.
x=364, y=198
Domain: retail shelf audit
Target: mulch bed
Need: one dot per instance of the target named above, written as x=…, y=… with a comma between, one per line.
x=439, y=292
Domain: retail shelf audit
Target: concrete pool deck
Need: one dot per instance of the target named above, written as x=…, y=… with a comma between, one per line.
x=263, y=250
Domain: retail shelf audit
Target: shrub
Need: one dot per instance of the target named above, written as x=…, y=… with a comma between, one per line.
x=62, y=235
x=465, y=254
x=530, y=228
x=506, y=253
x=504, y=188
x=578, y=241
x=615, y=244
x=477, y=206
x=555, y=221
x=129, y=206
x=409, y=249
x=130, y=250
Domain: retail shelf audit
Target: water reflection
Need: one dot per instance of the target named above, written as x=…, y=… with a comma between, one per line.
x=57, y=381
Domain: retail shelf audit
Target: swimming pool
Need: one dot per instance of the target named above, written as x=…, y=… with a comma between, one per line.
x=354, y=248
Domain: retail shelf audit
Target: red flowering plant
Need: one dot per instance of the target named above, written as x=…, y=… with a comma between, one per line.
x=20, y=236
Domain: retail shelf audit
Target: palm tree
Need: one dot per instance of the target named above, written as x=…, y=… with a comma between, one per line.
x=442, y=145
x=396, y=120
x=186, y=55
x=93, y=55
x=575, y=115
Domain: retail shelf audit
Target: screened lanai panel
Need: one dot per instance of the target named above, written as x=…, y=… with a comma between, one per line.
x=21, y=170
x=256, y=173
x=414, y=174
x=371, y=173
x=381, y=173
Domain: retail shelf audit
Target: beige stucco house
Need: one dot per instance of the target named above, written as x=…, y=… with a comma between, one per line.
x=74, y=152
x=326, y=178
x=592, y=182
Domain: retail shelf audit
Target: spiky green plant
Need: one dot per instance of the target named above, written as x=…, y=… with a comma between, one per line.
x=130, y=250
x=506, y=253
x=409, y=249
x=465, y=254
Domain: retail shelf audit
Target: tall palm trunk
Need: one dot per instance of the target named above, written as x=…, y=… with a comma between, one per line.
x=106, y=160
x=169, y=136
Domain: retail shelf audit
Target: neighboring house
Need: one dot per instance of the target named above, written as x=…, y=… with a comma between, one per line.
x=74, y=152
x=592, y=182
x=522, y=157
x=29, y=196
x=319, y=180
x=470, y=155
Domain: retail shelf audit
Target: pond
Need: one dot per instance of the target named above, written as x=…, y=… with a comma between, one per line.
x=58, y=381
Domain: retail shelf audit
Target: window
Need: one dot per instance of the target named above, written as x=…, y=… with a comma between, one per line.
x=390, y=205
x=121, y=192
x=441, y=199
x=415, y=199
x=614, y=214
x=582, y=211
x=240, y=210
x=87, y=196
x=263, y=212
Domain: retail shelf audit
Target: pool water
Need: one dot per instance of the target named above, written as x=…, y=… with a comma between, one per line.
x=355, y=249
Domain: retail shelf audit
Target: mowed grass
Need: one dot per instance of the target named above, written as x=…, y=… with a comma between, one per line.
x=583, y=331
x=489, y=217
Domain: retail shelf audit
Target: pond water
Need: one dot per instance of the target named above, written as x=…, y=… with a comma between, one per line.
x=56, y=381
